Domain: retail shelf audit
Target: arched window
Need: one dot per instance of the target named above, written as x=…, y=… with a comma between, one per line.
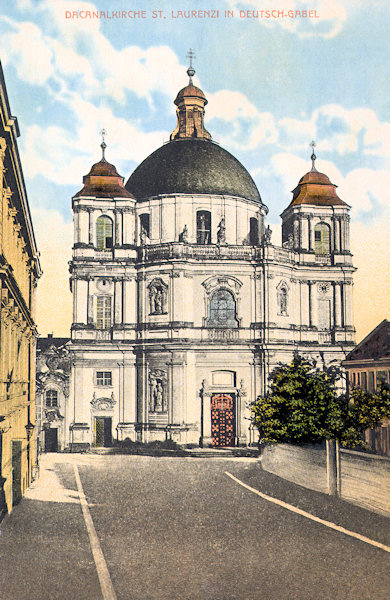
x=51, y=398
x=253, y=231
x=203, y=227
x=104, y=239
x=222, y=310
x=103, y=312
x=322, y=239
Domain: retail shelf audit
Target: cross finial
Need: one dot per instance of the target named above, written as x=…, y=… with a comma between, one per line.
x=103, y=145
x=190, y=70
x=313, y=156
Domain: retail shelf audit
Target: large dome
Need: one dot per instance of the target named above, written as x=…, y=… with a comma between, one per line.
x=191, y=166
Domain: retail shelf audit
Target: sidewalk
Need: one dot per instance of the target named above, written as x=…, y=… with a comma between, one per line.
x=44, y=543
x=329, y=508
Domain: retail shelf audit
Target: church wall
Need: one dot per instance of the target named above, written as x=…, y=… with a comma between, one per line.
x=170, y=214
x=90, y=400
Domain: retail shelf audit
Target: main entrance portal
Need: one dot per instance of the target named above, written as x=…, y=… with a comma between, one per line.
x=103, y=431
x=223, y=419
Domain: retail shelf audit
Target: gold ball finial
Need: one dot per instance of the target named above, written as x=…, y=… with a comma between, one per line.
x=190, y=70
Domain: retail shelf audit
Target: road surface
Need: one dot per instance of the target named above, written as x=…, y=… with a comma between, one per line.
x=145, y=528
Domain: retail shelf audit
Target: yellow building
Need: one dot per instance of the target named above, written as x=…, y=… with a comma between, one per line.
x=19, y=271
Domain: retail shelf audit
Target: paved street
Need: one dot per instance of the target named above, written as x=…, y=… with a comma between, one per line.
x=181, y=529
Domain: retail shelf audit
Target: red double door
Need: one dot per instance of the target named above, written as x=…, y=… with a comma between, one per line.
x=223, y=419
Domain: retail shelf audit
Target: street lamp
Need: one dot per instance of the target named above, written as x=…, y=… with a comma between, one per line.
x=29, y=429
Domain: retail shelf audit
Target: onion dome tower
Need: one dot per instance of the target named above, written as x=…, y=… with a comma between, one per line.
x=316, y=220
x=103, y=180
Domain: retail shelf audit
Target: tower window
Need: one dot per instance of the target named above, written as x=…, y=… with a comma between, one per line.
x=322, y=239
x=104, y=240
x=51, y=398
x=253, y=231
x=103, y=312
x=203, y=227
x=222, y=310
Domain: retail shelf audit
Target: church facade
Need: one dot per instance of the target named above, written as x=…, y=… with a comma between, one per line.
x=182, y=303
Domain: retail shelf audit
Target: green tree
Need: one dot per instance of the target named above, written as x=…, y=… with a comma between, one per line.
x=365, y=411
x=303, y=406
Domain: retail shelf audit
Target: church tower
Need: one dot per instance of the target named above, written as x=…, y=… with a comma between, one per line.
x=316, y=227
x=104, y=306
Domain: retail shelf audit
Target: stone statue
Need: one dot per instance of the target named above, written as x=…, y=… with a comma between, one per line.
x=158, y=298
x=183, y=236
x=144, y=236
x=159, y=396
x=157, y=403
x=267, y=235
x=221, y=233
x=158, y=301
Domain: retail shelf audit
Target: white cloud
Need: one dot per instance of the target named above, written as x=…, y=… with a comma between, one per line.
x=63, y=156
x=365, y=188
x=79, y=55
x=243, y=126
x=337, y=129
x=27, y=49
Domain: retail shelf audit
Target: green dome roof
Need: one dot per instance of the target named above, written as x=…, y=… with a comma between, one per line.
x=191, y=166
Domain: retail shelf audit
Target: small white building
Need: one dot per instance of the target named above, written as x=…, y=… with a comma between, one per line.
x=182, y=304
x=52, y=392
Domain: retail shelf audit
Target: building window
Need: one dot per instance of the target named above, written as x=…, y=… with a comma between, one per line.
x=253, y=231
x=371, y=381
x=103, y=378
x=222, y=310
x=51, y=398
x=322, y=239
x=104, y=240
x=144, y=226
x=203, y=227
x=364, y=381
x=381, y=377
x=103, y=312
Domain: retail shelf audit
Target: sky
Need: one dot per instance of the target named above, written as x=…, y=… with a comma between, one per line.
x=274, y=82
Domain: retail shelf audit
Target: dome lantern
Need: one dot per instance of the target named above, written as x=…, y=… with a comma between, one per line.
x=190, y=102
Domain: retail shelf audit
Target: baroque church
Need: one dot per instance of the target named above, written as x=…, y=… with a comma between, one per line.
x=182, y=305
